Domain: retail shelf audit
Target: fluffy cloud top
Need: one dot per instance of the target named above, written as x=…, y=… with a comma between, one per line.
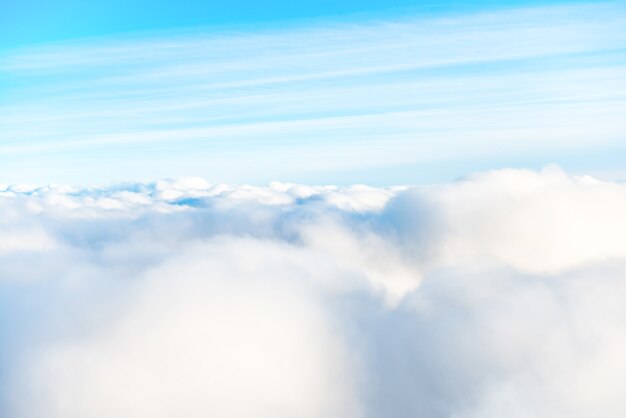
x=497, y=295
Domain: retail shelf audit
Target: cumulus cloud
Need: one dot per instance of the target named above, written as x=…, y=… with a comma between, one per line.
x=498, y=295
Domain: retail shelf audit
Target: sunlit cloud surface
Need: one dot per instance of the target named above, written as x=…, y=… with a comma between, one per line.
x=501, y=294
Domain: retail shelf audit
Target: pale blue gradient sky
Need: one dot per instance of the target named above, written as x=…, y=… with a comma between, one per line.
x=382, y=98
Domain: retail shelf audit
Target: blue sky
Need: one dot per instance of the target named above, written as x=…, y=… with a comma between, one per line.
x=40, y=21
x=330, y=92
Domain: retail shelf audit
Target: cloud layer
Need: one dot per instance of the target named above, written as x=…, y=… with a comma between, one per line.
x=497, y=295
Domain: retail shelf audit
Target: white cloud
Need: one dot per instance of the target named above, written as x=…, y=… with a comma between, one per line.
x=499, y=294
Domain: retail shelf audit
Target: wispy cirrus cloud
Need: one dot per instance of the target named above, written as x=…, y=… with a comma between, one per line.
x=369, y=94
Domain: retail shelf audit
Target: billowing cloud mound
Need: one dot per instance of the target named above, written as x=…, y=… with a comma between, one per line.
x=499, y=295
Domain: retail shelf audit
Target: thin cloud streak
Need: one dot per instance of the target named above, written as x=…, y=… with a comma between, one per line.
x=545, y=72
